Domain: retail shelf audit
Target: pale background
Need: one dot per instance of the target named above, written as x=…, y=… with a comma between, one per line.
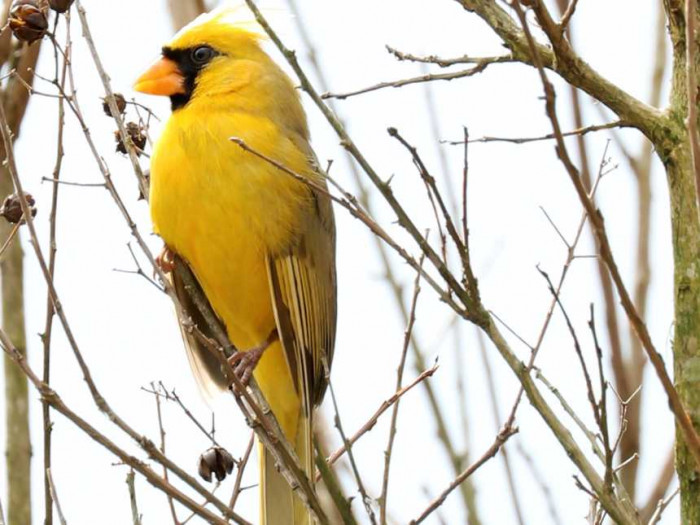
x=129, y=335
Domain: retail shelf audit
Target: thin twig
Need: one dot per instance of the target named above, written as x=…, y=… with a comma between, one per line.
x=241, y=470
x=54, y=497
x=446, y=62
x=366, y=500
x=395, y=411
x=662, y=506
x=369, y=425
x=428, y=77
x=549, y=136
x=501, y=438
x=495, y=410
x=48, y=325
x=161, y=429
x=663, y=481
x=10, y=238
x=135, y=516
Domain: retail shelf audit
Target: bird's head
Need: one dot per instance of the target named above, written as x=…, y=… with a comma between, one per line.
x=219, y=53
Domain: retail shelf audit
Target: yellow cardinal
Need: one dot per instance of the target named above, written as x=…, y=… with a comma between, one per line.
x=260, y=242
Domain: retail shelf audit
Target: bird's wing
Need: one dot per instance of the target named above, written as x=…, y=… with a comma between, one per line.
x=303, y=290
x=206, y=367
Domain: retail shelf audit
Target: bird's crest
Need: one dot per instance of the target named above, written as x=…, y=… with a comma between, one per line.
x=231, y=15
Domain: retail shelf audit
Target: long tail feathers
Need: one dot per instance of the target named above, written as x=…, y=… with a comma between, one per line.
x=278, y=504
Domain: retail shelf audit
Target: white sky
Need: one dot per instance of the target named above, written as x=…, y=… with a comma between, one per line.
x=128, y=333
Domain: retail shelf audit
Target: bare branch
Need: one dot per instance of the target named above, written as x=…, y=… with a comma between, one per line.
x=395, y=411
x=428, y=77
x=549, y=136
x=501, y=438
x=369, y=425
x=135, y=516
x=564, y=61
x=446, y=62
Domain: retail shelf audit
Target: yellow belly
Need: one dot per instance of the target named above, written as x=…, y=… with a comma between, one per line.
x=223, y=210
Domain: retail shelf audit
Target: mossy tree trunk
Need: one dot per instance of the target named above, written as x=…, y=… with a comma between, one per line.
x=675, y=154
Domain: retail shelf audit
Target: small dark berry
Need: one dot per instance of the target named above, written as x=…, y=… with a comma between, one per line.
x=119, y=100
x=215, y=460
x=29, y=19
x=12, y=208
x=60, y=6
x=136, y=134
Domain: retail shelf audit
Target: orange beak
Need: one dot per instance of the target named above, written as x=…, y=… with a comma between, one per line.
x=162, y=78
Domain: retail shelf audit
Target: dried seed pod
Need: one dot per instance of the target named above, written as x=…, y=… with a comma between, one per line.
x=60, y=6
x=12, y=208
x=119, y=100
x=29, y=19
x=215, y=460
x=136, y=134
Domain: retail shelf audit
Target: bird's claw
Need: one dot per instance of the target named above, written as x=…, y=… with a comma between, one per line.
x=243, y=363
x=166, y=260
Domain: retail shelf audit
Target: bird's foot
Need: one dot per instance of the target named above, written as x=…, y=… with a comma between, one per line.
x=244, y=362
x=166, y=260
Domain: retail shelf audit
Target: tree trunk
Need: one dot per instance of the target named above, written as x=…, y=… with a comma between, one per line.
x=18, y=446
x=686, y=250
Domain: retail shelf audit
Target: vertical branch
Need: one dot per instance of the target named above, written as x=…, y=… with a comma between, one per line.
x=395, y=410
x=18, y=449
x=48, y=326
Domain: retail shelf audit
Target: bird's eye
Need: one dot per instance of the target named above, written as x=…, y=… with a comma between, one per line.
x=202, y=54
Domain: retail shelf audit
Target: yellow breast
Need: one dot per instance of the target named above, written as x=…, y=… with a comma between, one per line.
x=223, y=209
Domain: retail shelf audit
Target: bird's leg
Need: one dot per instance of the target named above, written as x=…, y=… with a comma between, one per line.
x=244, y=362
x=166, y=260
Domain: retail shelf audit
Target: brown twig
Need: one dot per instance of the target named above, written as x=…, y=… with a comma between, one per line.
x=48, y=325
x=10, y=238
x=161, y=429
x=54, y=497
x=660, y=488
x=369, y=425
x=130, y=483
x=428, y=77
x=501, y=438
x=395, y=411
x=241, y=470
x=549, y=136
x=495, y=410
x=366, y=500
x=662, y=506
x=446, y=62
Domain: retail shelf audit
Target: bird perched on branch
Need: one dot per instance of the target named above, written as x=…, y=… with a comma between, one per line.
x=260, y=242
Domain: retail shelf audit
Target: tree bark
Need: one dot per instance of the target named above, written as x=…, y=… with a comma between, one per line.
x=18, y=445
x=686, y=249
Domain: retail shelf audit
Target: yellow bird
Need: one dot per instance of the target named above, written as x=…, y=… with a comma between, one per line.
x=260, y=243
